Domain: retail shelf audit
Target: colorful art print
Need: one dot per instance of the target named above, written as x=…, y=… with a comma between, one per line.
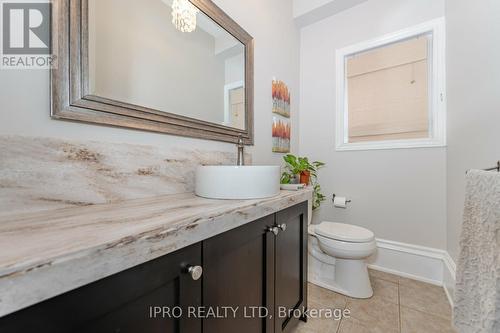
x=281, y=99
x=281, y=135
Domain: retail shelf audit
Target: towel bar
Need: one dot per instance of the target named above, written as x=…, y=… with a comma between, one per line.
x=497, y=168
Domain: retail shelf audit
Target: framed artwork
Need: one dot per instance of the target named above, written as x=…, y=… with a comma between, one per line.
x=281, y=135
x=281, y=118
x=281, y=99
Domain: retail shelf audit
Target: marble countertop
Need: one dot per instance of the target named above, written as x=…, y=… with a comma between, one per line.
x=45, y=254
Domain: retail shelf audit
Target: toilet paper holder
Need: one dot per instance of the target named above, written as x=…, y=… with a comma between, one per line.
x=333, y=199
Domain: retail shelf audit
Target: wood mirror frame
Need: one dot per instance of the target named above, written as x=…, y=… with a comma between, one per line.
x=71, y=99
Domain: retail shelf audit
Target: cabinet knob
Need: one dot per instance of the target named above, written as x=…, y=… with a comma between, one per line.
x=195, y=271
x=274, y=230
x=282, y=226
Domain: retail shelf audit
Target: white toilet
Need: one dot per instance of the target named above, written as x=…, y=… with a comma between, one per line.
x=340, y=251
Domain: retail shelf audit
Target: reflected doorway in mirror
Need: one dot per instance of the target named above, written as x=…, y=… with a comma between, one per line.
x=234, y=104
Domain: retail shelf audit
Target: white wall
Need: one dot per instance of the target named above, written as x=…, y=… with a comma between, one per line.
x=309, y=11
x=233, y=67
x=473, y=30
x=399, y=194
x=24, y=95
x=301, y=7
x=276, y=54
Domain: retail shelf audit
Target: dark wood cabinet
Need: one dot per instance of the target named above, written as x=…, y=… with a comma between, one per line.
x=291, y=267
x=262, y=264
x=121, y=302
x=239, y=273
x=258, y=269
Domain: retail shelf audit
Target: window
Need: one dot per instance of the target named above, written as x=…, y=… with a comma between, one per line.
x=390, y=91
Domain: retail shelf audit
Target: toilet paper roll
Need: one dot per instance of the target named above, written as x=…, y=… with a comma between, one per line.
x=340, y=202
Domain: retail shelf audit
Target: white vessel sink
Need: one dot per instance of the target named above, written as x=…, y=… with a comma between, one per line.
x=237, y=182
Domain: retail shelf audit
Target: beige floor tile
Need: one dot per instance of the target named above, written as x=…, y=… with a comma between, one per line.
x=312, y=304
x=412, y=282
x=317, y=325
x=353, y=325
x=398, y=305
x=325, y=297
x=383, y=276
x=424, y=297
x=413, y=321
x=319, y=322
x=385, y=290
x=375, y=312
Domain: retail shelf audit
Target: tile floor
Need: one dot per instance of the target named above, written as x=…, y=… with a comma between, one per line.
x=398, y=305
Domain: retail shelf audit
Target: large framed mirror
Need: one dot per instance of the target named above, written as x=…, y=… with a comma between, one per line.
x=181, y=67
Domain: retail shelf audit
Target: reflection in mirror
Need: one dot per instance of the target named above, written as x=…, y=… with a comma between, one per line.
x=139, y=54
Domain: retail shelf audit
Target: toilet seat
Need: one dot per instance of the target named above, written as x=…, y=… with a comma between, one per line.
x=344, y=232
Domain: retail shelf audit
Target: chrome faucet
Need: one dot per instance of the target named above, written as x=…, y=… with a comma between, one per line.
x=241, y=153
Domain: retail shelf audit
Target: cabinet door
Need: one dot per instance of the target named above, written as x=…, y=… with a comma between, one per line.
x=239, y=273
x=122, y=302
x=291, y=267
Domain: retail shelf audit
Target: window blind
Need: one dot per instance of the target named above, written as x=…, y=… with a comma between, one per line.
x=388, y=92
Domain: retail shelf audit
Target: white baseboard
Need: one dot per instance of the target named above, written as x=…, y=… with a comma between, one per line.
x=405, y=275
x=408, y=260
x=416, y=262
x=449, y=277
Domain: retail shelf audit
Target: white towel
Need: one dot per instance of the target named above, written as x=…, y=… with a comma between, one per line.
x=477, y=291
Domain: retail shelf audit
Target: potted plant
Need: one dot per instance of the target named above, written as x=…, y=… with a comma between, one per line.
x=300, y=170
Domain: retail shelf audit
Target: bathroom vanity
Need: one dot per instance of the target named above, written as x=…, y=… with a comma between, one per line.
x=114, y=267
x=108, y=267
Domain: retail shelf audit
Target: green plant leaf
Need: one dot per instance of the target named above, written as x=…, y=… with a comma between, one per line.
x=295, y=165
x=318, y=165
x=290, y=160
x=286, y=178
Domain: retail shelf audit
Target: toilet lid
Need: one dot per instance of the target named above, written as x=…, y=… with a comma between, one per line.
x=344, y=232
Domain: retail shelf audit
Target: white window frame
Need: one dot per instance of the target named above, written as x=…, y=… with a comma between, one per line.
x=437, y=98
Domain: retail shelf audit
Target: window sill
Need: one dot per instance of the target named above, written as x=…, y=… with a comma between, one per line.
x=396, y=144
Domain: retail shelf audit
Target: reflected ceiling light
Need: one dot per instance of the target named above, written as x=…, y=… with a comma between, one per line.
x=184, y=15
